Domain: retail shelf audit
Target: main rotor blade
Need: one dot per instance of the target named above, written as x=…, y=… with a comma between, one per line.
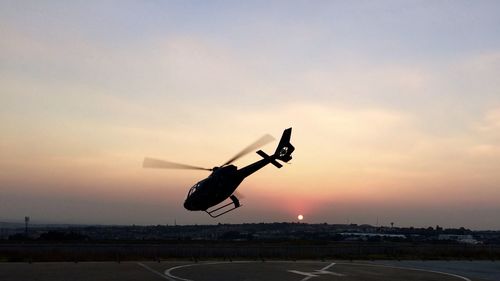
x=258, y=143
x=162, y=164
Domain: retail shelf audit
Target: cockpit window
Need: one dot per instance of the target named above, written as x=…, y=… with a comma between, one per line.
x=194, y=188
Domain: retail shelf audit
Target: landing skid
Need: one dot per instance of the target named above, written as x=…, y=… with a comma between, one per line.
x=222, y=209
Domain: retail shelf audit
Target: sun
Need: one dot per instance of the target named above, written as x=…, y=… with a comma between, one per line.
x=300, y=217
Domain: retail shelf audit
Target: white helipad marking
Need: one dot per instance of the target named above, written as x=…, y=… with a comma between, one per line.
x=410, y=268
x=154, y=271
x=325, y=272
x=328, y=266
x=303, y=273
x=315, y=273
x=169, y=274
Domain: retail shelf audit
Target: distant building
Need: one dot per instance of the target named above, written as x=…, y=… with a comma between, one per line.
x=467, y=238
x=367, y=235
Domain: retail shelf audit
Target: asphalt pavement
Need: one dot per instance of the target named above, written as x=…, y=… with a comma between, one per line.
x=254, y=270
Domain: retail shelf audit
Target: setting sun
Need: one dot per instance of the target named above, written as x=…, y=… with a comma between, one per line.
x=300, y=217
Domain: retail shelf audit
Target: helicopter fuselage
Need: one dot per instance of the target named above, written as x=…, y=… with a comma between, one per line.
x=219, y=185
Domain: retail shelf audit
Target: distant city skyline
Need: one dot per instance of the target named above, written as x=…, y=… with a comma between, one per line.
x=395, y=107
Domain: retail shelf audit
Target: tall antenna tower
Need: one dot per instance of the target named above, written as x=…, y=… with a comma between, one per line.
x=26, y=221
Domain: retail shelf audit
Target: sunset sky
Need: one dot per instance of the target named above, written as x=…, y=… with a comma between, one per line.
x=395, y=109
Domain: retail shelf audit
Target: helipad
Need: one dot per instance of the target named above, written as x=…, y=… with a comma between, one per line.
x=254, y=270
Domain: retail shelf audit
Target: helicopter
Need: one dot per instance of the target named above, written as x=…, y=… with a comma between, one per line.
x=209, y=194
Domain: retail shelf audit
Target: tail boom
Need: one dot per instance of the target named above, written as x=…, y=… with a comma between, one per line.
x=283, y=153
x=283, y=150
x=270, y=158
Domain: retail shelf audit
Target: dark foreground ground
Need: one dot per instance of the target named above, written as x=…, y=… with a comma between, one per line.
x=254, y=270
x=33, y=251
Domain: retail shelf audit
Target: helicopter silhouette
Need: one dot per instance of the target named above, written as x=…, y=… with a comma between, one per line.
x=221, y=184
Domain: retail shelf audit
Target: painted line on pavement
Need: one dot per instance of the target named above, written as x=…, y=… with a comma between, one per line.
x=154, y=271
x=410, y=268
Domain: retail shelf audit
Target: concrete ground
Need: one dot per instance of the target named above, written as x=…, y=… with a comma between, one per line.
x=481, y=270
x=254, y=270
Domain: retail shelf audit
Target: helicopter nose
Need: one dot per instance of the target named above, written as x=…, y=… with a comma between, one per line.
x=188, y=205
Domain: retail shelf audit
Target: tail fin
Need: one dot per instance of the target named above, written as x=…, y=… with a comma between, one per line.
x=285, y=148
x=283, y=151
